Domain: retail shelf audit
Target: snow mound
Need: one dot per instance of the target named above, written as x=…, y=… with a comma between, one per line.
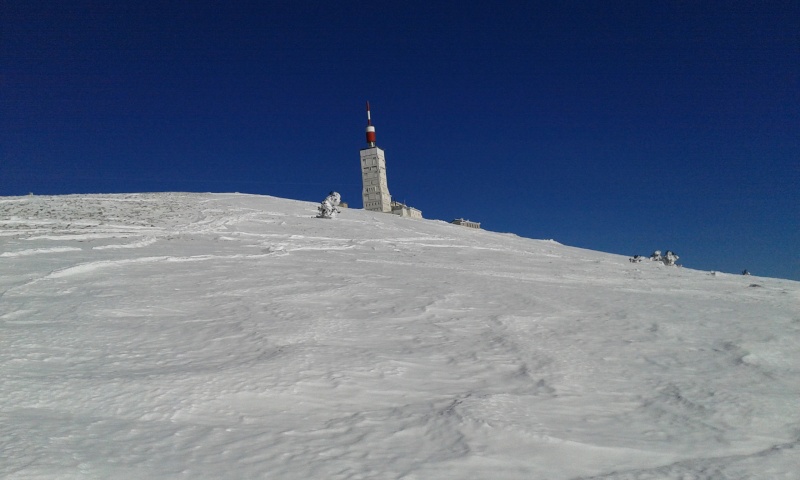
x=228, y=336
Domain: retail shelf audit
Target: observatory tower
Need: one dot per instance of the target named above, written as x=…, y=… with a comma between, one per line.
x=373, y=174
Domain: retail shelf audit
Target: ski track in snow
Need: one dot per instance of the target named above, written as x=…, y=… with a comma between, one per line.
x=235, y=336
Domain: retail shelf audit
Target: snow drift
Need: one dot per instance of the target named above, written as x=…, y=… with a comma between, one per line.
x=207, y=336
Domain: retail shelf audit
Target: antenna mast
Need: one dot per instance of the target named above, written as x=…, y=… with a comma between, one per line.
x=370, y=129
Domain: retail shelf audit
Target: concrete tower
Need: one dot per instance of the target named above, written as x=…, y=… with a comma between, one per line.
x=373, y=174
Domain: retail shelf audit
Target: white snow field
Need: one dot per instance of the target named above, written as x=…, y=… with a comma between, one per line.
x=228, y=336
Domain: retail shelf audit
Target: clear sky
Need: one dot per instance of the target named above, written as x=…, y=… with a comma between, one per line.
x=623, y=127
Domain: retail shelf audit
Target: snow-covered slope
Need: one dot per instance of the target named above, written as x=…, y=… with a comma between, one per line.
x=205, y=336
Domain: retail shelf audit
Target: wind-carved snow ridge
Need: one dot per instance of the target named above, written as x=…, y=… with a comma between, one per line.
x=39, y=251
x=141, y=243
x=228, y=336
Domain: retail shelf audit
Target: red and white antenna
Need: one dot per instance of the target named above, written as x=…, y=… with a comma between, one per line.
x=370, y=129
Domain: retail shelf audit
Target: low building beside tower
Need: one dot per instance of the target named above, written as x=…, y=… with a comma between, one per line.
x=405, y=211
x=466, y=223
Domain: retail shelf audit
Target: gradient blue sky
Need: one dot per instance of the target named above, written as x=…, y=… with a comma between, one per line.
x=616, y=126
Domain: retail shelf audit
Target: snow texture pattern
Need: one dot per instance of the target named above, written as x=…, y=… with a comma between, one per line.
x=227, y=336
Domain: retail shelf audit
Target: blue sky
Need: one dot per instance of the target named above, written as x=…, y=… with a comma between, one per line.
x=623, y=127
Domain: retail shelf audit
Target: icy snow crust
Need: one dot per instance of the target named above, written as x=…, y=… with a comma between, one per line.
x=207, y=336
